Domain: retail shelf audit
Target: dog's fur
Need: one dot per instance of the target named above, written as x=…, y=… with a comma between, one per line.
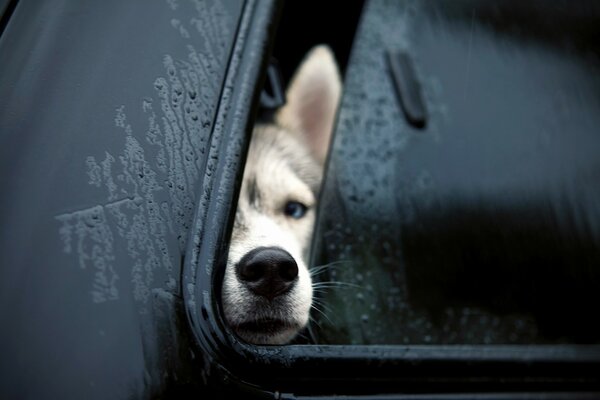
x=284, y=164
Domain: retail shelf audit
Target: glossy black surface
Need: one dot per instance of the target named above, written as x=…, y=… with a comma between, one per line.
x=111, y=120
x=483, y=227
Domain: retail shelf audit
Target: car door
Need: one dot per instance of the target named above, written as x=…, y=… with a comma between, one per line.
x=122, y=126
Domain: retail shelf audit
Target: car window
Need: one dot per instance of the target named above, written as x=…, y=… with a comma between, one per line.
x=478, y=225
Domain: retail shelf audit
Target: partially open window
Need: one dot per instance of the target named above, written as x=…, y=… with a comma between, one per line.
x=457, y=238
x=266, y=295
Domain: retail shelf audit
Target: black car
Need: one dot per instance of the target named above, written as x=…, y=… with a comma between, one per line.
x=459, y=211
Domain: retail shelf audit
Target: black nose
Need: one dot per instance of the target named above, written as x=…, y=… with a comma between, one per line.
x=268, y=271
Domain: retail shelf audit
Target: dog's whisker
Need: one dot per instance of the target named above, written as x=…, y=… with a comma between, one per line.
x=322, y=305
x=334, y=264
x=322, y=313
x=314, y=321
x=303, y=336
x=341, y=284
x=327, y=289
x=320, y=268
x=335, y=284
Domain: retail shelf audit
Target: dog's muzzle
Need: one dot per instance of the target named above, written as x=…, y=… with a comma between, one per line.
x=268, y=271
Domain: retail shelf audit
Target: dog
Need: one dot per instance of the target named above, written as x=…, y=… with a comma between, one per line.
x=267, y=288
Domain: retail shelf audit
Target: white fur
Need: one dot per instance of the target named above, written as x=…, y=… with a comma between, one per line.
x=284, y=163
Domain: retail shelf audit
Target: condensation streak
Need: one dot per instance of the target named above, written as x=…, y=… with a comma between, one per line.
x=162, y=159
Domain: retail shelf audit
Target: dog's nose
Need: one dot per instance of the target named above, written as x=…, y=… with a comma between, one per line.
x=268, y=271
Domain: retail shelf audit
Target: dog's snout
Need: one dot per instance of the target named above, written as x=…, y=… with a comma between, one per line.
x=268, y=271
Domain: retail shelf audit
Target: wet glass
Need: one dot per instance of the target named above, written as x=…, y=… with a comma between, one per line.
x=480, y=225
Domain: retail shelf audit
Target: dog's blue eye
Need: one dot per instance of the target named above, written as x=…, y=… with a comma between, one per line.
x=295, y=209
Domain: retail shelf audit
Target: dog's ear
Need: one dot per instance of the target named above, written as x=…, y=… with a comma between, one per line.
x=312, y=99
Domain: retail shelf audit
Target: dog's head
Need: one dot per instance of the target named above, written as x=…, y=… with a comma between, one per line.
x=267, y=289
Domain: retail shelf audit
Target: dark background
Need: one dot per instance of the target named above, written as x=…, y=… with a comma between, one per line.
x=304, y=24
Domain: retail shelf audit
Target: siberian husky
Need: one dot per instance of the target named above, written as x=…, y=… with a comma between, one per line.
x=267, y=289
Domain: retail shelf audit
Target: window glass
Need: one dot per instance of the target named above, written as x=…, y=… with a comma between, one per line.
x=479, y=226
